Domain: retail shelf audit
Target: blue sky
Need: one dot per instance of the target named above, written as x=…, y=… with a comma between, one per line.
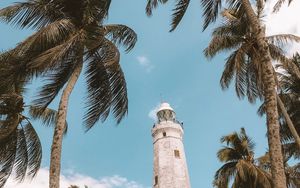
x=163, y=66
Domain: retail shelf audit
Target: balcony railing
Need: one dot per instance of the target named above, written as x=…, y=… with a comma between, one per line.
x=174, y=121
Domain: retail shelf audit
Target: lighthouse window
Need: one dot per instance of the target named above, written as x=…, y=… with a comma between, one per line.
x=164, y=134
x=176, y=153
x=156, y=180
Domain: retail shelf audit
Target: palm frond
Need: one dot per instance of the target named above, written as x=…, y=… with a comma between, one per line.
x=221, y=43
x=228, y=154
x=240, y=143
x=152, y=4
x=21, y=160
x=121, y=35
x=282, y=39
x=278, y=5
x=31, y=14
x=34, y=150
x=99, y=91
x=278, y=54
x=211, y=11
x=20, y=154
x=240, y=74
x=233, y=64
x=45, y=38
x=106, y=85
x=224, y=175
x=178, y=13
x=54, y=57
x=7, y=157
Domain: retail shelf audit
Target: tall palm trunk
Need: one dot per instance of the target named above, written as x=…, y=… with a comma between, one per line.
x=59, y=129
x=289, y=121
x=270, y=94
x=282, y=107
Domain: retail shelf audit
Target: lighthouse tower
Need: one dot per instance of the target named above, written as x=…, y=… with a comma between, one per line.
x=170, y=168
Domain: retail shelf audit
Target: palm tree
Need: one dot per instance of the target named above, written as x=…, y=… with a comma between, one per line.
x=257, y=30
x=243, y=64
x=265, y=79
x=69, y=35
x=240, y=166
x=20, y=147
x=269, y=83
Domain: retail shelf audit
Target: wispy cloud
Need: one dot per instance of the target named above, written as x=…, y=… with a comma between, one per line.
x=284, y=22
x=73, y=178
x=152, y=113
x=145, y=63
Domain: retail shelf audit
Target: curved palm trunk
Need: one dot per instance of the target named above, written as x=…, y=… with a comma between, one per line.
x=59, y=129
x=288, y=121
x=277, y=167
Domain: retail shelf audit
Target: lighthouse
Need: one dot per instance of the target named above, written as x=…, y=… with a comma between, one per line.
x=170, y=167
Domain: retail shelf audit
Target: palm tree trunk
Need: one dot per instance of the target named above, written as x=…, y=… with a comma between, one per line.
x=270, y=97
x=56, y=147
x=289, y=121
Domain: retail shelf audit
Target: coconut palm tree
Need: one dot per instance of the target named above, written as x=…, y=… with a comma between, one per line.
x=243, y=64
x=20, y=147
x=239, y=164
x=257, y=30
x=269, y=82
x=263, y=77
x=69, y=35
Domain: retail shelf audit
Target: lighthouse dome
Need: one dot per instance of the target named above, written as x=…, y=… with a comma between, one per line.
x=165, y=112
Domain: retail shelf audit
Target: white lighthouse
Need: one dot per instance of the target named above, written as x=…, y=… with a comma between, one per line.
x=170, y=168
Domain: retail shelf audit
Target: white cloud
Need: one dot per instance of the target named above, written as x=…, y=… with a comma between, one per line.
x=152, y=113
x=72, y=178
x=145, y=63
x=286, y=21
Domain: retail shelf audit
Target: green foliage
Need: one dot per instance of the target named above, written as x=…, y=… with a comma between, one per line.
x=240, y=168
x=66, y=38
x=20, y=147
x=243, y=65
